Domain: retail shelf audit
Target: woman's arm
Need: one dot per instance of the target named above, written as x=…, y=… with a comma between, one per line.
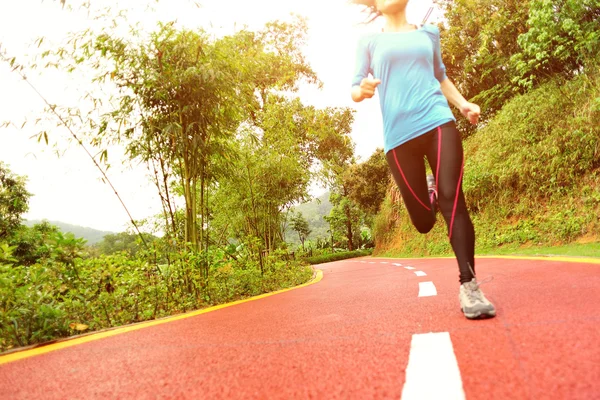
x=362, y=86
x=469, y=110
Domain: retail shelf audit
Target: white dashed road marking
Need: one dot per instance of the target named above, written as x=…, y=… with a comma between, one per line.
x=420, y=273
x=397, y=265
x=432, y=371
x=383, y=262
x=409, y=267
x=427, y=289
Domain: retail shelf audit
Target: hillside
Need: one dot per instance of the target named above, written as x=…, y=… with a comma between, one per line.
x=92, y=236
x=313, y=211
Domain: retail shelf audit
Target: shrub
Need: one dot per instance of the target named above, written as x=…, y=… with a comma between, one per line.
x=53, y=299
x=338, y=256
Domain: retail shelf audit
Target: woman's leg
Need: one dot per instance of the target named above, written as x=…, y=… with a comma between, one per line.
x=407, y=164
x=445, y=155
x=443, y=148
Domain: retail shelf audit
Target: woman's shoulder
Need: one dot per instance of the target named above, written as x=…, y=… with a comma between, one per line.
x=367, y=37
x=366, y=40
x=432, y=30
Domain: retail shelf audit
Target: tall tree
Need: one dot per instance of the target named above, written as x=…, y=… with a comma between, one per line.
x=181, y=83
x=14, y=201
x=275, y=167
x=368, y=181
x=281, y=140
x=337, y=156
x=300, y=225
x=345, y=219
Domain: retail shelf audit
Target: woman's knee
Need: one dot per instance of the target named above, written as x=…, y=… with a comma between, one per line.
x=446, y=194
x=449, y=200
x=424, y=226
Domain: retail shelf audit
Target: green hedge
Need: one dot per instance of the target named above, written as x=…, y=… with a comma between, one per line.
x=338, y=256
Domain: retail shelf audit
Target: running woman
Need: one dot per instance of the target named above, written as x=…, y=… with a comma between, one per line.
x=404, y=64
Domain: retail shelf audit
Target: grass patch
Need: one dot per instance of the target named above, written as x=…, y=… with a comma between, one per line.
x=570, y=250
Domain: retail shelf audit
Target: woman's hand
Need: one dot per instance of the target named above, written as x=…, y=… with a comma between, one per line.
x=368, y=86
x=366, y=90
x=471, y=111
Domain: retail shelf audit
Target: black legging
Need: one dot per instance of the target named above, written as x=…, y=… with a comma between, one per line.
x=408, y=168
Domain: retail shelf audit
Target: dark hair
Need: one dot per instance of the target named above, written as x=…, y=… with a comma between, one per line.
x=370, y=7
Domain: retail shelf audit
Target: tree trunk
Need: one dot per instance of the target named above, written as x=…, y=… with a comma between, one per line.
x=168, y=196
x=194, y=199
x=202, y=183
x=349, y=228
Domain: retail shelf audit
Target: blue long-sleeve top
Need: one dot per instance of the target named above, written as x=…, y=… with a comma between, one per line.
x=409, y=65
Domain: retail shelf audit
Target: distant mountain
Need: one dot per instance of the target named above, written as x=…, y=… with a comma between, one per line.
x=92, y=236
x=313, y=212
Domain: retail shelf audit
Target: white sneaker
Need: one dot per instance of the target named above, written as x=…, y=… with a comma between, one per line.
x=473, y=303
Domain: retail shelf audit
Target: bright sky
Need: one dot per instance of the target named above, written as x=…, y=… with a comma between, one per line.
x=68, y=188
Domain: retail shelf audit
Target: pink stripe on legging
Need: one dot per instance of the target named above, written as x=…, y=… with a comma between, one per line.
x=456, y=197
x=405, y=181
x=437, y=172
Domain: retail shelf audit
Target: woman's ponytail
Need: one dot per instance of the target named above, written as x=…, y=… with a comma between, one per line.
x=370, y=7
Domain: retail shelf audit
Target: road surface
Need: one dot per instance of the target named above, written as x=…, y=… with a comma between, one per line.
x=372, y=328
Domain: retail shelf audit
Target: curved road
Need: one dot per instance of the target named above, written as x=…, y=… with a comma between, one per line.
x=370, y=329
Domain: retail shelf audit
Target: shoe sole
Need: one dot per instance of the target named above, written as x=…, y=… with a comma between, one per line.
x=478, y=315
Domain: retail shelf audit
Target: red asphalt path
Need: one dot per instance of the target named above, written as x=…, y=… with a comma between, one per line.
x=348, y=337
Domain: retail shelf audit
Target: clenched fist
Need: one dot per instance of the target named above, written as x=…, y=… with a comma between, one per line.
x=365, y=90
x=471, y=111
x=368, y=86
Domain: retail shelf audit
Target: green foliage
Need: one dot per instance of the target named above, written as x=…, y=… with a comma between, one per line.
x=47, y=300
x=214, y=119
x=300, y=225
x=338, y=256
x=123, y=242
x=562, y=38
x=571, y=249
x=478, y=41
x=14, y=201
x=345, y=221
x=181, y=81
x=313, y=211
x=45, y=242
x=6, y=253
x=367, y=182
x=366, y=238
x=277, y=159
x=539, y=146
x=216, y=128
x=554, y=38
